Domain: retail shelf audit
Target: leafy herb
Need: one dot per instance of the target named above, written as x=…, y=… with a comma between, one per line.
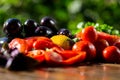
x=99, y=27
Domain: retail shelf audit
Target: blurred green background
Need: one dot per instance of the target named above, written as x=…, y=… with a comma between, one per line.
x=67, y=13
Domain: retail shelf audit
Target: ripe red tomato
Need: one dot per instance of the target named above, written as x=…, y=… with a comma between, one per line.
x=117, y=43
x=89, y=34
x=86, y=46
x=100, y=45
x=111, y=54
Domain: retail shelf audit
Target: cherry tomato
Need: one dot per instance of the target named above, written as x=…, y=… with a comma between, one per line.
x=37, y=55
x=86, y=46
x=20, y=44
x=111, y=54
x=117, y=43
x=100, y=45
x=89, y=34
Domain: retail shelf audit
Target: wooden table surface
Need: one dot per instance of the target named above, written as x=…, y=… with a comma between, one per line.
x=84, y=72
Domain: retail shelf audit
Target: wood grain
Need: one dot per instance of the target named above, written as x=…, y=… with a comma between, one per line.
x=83, y=72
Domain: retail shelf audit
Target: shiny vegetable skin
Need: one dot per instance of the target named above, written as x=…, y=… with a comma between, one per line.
x=111, y=54
x=37, y=55
x=89, y=34
x=117, y=43
x=33, y=41
x=12, y=26
x=54, y=58
x=43, y=44
x=64, y=53
x=29, y=27
x=75, y=59
x=86, y=46
x=68, y=54
x=20, y=44
x=50, y=23
x=110, y=38
x=100, y=45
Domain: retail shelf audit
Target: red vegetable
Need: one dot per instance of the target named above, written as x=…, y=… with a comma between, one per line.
x=110, y=38
x=89, y=34
x=64, y=53
x=117, y=43
x=31, y=41
x=37, y=55
x=54, y=58
x=75, y=59
x=20, y=44
x=100, y=45
x=111, y=54
x=86, y=46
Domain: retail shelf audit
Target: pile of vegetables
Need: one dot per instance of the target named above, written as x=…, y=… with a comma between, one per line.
x=32, y=45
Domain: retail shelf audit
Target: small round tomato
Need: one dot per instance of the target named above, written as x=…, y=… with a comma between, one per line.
x=86, y=46
x=117, y=43
x=100, y=44
x=89, y=34
x=111, y=54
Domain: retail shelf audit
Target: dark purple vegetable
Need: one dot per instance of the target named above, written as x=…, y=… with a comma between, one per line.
x=49, y=22
x=29, y=27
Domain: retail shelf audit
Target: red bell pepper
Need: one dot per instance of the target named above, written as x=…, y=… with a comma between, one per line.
x=37, y=42
x=20, y=44
x=64, y=53
x=78, y=58
x=37, y=55
x=53, y=57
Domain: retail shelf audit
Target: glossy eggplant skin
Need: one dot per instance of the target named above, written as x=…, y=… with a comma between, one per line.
x=50, y=23
x=12, y=26
x=12, y=59
x=29, y=27
x=44, y=31
x=66, y=32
